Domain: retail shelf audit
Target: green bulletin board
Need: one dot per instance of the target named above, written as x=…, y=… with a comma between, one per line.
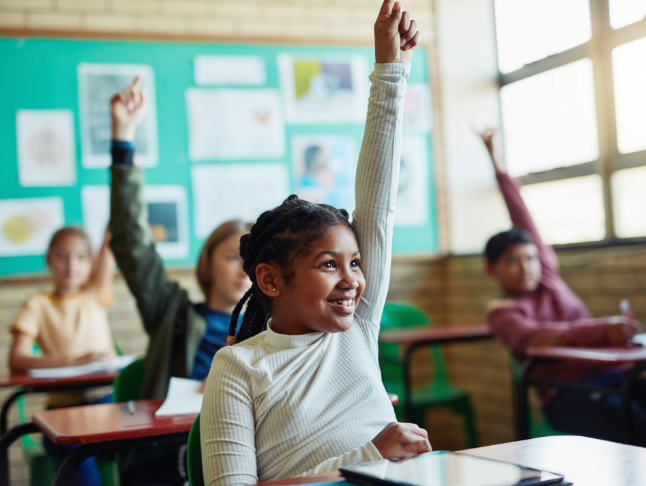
x=41, y=74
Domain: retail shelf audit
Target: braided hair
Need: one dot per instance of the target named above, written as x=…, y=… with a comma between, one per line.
x=278, y=236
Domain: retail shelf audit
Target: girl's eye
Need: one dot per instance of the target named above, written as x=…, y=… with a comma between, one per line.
x=328, y=264
x=355, y=263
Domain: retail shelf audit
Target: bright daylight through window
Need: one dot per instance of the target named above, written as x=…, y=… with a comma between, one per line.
x=573, y=106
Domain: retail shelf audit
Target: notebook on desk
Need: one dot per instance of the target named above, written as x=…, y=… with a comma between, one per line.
x=443, y=468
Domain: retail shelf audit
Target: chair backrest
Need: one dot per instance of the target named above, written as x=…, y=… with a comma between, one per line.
x=402, y=314
x=128, y=384
x=194, y=455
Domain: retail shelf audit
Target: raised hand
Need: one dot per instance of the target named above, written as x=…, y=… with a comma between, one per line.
x=128, y=108
x=487, y=139
x=395, y=34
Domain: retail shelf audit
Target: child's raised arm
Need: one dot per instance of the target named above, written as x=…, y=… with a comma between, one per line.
x=378, y=168
x=103, y=272
x=132, y=242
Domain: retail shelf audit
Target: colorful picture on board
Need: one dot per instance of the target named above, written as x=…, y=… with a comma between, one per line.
x=324, y=169
x=26, y=225
x=322, y=89
x=162, y=219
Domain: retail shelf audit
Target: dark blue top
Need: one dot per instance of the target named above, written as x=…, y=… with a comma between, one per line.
x=215, y=337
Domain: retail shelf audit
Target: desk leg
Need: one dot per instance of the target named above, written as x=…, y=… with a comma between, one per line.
x=627, y=431
x=522, y=400
x=4, y=413
x=77, y=456
x=7, y=439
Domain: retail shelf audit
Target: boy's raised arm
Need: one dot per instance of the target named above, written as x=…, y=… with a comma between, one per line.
x=132, y=242
x=378, y=168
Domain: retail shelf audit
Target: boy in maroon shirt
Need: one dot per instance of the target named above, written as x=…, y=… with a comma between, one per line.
x=537, y=308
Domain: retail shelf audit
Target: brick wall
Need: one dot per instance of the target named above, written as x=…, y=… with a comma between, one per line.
x=325, y=20
x=453, y=291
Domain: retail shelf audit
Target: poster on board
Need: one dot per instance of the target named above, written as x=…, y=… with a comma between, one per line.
x=46, y=148
x=234, y=124
x=418, y=110
x=232, y=70
x=324, y=169
x=167, y=217
x=324, y=89
x=224, y=192
x=98, y=83
x=27, y=225
x=412, y=192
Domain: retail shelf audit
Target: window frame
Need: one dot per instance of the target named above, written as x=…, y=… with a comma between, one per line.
x=599, y=49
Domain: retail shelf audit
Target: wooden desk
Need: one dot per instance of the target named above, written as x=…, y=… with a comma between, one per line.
x=418, y=337
x=615, y=355
x=583, y=461
x=28, y=384
x=102, y=428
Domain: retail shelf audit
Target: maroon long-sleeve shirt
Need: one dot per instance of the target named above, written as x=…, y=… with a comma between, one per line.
x=550, y=310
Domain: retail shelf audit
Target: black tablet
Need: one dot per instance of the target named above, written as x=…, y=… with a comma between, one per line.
x=443, y=468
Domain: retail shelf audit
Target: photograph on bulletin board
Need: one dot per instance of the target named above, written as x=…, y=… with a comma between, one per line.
x=324, y=89
x=98, y=83
x=324, y=169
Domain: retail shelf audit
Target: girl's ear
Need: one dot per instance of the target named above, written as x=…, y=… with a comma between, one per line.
x=268, y=278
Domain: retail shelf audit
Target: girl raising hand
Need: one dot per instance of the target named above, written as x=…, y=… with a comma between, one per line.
x=299, y=389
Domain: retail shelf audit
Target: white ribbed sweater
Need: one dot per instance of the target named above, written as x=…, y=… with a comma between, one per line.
x=278, y=406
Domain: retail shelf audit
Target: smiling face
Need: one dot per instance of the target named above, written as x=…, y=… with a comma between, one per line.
x=325, y=287
x=518, y=269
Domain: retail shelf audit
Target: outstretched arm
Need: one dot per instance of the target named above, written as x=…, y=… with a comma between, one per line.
x=518, y=212
x=103, y=272
x=132, y=242
x=378, y=168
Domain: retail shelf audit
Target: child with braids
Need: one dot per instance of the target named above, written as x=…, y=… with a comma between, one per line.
x=299, y=390
x=184, y=335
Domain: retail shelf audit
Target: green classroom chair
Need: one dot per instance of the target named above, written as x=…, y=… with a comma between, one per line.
x=539, y=425
x=194, y=455
x=439, y=393
x=128, y=384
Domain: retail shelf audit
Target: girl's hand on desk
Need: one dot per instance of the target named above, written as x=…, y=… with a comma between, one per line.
x=128, y=108
x=91, y=358
x=395, y=34
x=401, y=440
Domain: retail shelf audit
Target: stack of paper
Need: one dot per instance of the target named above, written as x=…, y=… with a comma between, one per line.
x=183, y=398
x=117, y=364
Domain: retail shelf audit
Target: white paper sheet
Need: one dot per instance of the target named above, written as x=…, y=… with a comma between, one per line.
x=241, y=70
x=640, y=339
x=182, y=398
x=167, y=217
x=27, y=225
x=326, y=89
x=98, y=83
x=325, y=168
x=412, y=193
x=117, y=364
x=418, y=110
x=224, y=192
x=46, y=148
x=234, y=124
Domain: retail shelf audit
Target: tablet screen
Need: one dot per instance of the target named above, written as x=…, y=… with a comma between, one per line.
x=447, y=469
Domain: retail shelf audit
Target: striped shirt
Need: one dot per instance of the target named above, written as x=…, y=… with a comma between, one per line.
x=66, y=326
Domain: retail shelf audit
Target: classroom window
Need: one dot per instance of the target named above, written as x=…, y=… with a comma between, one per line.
x=550, y=120
x=573, y=105
x=531, y=30
x=626, y=12
x=629, y=74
